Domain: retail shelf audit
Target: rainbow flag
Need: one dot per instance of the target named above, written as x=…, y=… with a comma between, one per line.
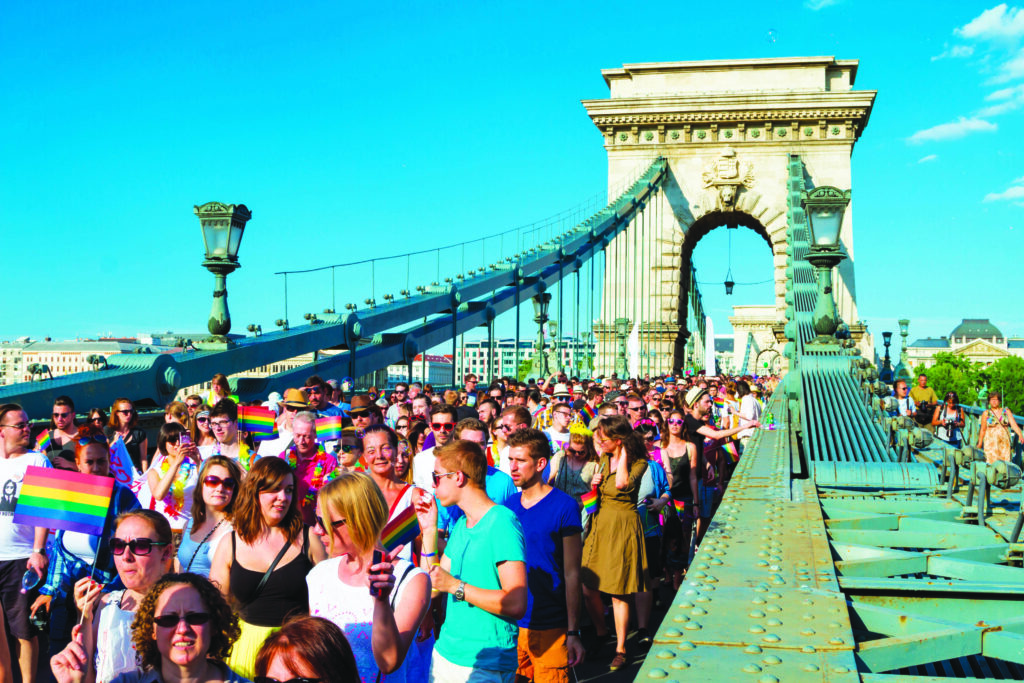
x=44, y=441
x=61, y=499
x=680, y=506
x=719, y=402
x=400, y=531
x=258, y=421
x=732, y=449
x=590, y=501
x=328, y=428
x=587, y=413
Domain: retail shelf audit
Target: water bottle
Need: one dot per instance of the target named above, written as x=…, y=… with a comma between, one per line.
x=30, y=581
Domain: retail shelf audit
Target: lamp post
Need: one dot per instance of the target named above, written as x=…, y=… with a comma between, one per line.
x=539, y=366
x=825, y=207
x=887, y=362
x=903, y=369
x=223, y=225
x=621, y=333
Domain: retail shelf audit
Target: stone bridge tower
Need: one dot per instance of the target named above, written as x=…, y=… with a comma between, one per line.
x=726, y=128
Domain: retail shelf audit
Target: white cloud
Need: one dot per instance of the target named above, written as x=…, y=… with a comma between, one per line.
x=1006, y=93
x=952, y=130
x=927, y=158
x=998, y=23
x=815, y=5
x=1012, y=69
x=997, y=109
x=1015, y=191
x=956, y=52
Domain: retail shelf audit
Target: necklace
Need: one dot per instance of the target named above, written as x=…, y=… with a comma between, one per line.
x=320, y=475
x=202, y=543
x=180, y=479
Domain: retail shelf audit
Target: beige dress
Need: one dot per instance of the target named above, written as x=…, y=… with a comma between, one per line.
x=614, y=557
x=997, y=436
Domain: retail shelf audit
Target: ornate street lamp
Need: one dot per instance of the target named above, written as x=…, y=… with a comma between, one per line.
x=825, y=207
x=223, y=225
x=621, y=335
x=539, y=366
x=886, y=374
x=903, y=369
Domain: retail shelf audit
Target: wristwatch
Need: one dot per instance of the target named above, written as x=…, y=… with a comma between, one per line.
x=38, y=551
x=460, y=592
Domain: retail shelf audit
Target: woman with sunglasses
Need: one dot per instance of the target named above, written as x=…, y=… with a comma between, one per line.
x=949, y=420
x=262, y=567
x=680, y=457
x=212, y=504
x=306, y=649
x=183, y=631
x=574, y=466
x=202, y=431
x=379, y=605
x=402, y=425
x=98, y=417
x=74, y=553
x=101, y=647
x=994, y=432
x=124, y=424
x=169, y=484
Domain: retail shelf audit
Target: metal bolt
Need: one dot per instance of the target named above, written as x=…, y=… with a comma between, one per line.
x=771, y=659
x=752, y=668
x=687, y=645
x=752, y=649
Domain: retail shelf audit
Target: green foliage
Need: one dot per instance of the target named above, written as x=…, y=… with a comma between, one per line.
x=953, y=373
x=524, y=369
x=1007, y=376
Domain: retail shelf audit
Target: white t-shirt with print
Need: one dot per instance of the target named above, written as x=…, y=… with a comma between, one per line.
x=16, y=540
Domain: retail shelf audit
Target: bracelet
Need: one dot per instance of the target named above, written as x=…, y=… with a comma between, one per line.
x=428, y=554
x=578, y=634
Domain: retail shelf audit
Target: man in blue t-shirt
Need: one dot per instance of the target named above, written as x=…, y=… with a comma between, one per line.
x=483, y=570
x=549, y=636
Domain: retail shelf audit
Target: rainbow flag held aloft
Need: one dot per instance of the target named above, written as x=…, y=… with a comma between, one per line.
x=61, y=499
x=590, y=501
x=587, y=413
x=259, y=421
x=400, y=531
x=44, y=441
x=328, y=428
x=719, y=401
x=732, y=449
x=680, y=506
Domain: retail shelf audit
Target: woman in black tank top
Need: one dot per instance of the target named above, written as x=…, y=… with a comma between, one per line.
x=262, y=572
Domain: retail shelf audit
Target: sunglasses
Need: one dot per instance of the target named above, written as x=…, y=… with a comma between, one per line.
x=125, y=412
x=675, y=421
x=562, y=399
x=61, y=415
x=268, y=679
x=621, y=404
x=203, y=420
x=213, y=481
x=138, y=546
x=348, y=448
x=172, y=620
x=577, y=451
x=443, y=426
x=97, y=419
x=338, y=523
x=436, y=476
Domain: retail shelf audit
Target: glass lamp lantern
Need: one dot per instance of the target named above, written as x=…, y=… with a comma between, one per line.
x=222, y=226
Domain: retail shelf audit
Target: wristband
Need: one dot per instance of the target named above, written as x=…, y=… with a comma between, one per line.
x=578, y=634
x=428, y=554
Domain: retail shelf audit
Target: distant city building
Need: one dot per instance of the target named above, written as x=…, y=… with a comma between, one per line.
x=436, y=370
x=976, y=339
x=63, y=357
x=576, y=357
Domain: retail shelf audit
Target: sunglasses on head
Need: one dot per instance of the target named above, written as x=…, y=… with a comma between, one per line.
x=172, y=620
x=213, y=481
x=99, y=438
x=442, y=426
x=138, y=546
x=268, y=679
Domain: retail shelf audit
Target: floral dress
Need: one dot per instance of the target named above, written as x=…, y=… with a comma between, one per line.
x=997, y=436
x=176, y=506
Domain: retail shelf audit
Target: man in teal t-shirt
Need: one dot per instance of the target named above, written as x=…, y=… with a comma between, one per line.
x=483, y=571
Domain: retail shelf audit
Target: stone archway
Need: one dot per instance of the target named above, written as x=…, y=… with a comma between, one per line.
x=728, y=129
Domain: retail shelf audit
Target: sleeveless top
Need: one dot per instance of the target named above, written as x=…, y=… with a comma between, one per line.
x=350, y=608
x=680, y=469
x=115, y=653
x=943, y=432
x=284, y=594
x=196, y=556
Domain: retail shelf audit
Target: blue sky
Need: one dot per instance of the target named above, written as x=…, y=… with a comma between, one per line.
x=356, y=131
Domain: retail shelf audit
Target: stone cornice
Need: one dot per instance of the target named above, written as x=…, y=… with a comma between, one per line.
x=739, y=105
x=778, y=115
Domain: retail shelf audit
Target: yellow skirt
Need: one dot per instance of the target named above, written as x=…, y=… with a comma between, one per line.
x=243, y=655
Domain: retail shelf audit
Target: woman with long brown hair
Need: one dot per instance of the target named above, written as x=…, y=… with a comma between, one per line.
x=614, y=557
x=262, y=567
x=213, y=502
x=307, y=648
x=124, y=423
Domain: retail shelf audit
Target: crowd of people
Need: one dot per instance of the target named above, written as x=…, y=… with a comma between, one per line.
x=551, y=514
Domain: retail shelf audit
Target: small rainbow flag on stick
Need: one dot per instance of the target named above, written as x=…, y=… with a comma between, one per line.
x=680, y=506
x=732, y=449
x=590, y=501
x=61, y=499
x=258, y=421
x=44, y=441
x=328, y=428
x=719, y=401
x=400, y=531
x=587, y=413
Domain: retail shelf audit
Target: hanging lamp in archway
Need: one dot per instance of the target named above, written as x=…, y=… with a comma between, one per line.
x=729, y=282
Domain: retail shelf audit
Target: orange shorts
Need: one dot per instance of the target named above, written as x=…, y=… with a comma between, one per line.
x=542, y=655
